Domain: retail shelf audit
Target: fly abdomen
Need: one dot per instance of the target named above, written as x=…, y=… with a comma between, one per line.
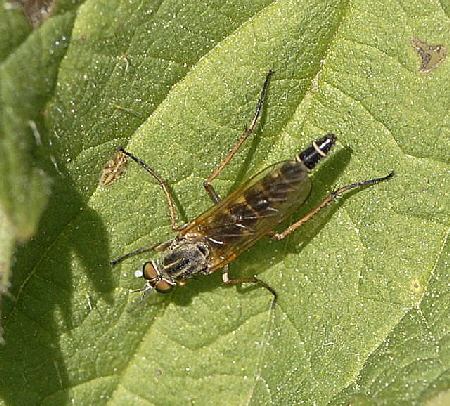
x=276, y=189
x=287, y=185
x=259, y=205
x=232, y=224
x=318, y=150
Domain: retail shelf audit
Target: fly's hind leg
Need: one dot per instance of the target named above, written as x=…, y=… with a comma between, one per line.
x=207, y=183
x=227, y=281
x=326, y=202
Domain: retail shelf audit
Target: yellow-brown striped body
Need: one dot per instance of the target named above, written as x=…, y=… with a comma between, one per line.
x=234, y=224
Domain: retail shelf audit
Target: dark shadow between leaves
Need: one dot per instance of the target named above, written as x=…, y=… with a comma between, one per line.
x=42, y=286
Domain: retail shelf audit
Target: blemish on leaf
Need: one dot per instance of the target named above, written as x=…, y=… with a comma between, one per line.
x=442, y=398
x=432, y=55
x=37, y=11
x=127, y=110
x=114, y=169
x=416, y=286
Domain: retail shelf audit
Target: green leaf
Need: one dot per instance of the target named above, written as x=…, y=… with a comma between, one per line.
x=363, y=302
x=30, y=60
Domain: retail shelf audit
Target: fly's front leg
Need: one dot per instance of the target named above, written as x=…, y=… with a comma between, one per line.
x=163, y=184
x=135, y=252
x=154, y=247
x=170, y=203
x=227, y=281
x=207, y=183
x=326, y=202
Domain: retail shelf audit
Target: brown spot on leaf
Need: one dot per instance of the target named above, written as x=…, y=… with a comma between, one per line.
x=37, y=11
x=113, y=169
x=432, y=55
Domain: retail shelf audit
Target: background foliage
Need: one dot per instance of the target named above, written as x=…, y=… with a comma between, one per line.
x=363, y=313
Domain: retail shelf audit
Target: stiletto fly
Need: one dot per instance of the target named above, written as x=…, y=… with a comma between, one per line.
x=233, y=224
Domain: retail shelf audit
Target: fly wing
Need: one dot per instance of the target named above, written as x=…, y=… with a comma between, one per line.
x=250, y=212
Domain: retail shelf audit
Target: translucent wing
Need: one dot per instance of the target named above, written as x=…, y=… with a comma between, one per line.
x=253, y=210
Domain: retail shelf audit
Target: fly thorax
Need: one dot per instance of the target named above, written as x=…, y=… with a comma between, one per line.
x=184, y=259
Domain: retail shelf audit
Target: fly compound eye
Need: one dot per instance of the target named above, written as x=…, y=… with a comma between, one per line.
x=149, y=271
x=163, y=286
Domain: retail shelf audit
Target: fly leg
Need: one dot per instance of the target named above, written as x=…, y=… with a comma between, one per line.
x=170, y=203
x=207, y=183
x=216, y=198
x=154, y=247
x=163, y=184
x=227, y=281
x=133, y=253
x=326, y=202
